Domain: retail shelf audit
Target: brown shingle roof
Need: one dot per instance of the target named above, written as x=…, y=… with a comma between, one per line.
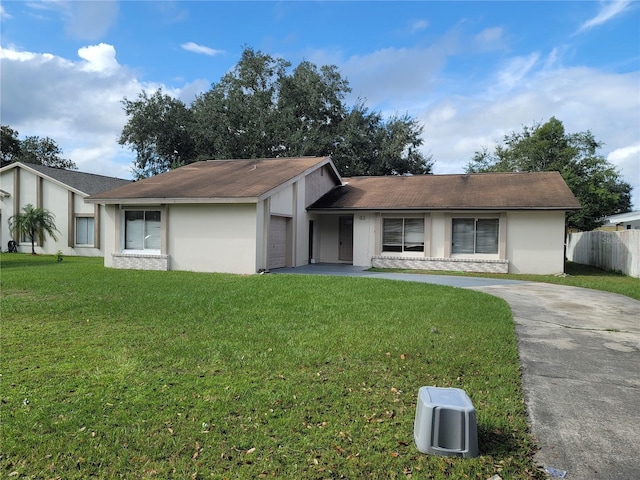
x=537, y=191
x=214, y=179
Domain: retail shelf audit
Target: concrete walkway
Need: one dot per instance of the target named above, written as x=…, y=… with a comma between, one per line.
x=580, y=356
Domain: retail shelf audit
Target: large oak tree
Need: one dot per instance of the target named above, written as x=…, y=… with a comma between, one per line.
x=265, y=108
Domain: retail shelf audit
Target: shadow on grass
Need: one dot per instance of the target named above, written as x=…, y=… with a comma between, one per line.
x=23, y=260
x=494, y=442
x=578, y=269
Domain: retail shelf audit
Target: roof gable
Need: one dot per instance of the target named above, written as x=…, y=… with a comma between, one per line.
x=528, y=190
x=214, y=180
x=82, y=182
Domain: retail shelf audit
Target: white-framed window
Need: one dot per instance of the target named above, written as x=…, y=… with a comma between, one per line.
x=85, y=231
x=403, y=235
x=26, y=238
x=142, y=230
x=475, y=235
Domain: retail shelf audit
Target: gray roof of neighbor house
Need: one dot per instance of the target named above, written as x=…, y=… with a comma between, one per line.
x=623, y=217
x=87, y=183
x=482, y=191
x=215, y=180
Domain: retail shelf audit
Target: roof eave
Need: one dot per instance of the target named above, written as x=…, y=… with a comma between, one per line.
x=442, y=209
x=170, y=200
x=44, y=175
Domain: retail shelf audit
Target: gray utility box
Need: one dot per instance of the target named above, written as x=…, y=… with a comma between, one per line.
x=445, y=423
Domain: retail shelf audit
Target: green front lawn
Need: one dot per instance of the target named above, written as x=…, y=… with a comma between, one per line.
x=137, y=374
x=577, y=275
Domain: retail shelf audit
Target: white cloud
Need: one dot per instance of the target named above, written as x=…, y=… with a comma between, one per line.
x=627, y=159
x=396, y=75
x=23, y=56
x=75, y=102
x=489, y=39
x=516, y=70
x=83, y=20
x=3, y=13
x=201, y=49
x=608, y=11
x=91, y=20
x=418, y=25
x=621, y=154
x=100, y=58
x=191, y=90
x=583, y=99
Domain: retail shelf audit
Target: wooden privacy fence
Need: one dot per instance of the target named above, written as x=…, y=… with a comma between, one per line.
x=614, y=251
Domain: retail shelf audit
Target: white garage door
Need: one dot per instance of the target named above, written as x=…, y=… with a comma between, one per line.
x=277, y=242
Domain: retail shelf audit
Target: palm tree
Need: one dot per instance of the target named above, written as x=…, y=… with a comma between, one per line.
x=33, y=223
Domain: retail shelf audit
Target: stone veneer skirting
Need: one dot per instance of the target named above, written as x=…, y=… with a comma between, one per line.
x=140, y=261
x=443, y=264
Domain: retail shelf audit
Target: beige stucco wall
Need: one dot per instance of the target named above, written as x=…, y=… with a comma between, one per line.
x=262, y=232
x=212, y=238
x=438, y=234
x=109, y=232
x=532, y=242
x=28, y=191
x=196, y=237
x=281, y=202
x=364, y=238
x=300, y=226
x=535, y=242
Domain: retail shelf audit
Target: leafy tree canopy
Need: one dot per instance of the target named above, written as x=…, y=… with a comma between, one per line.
x=41, y=151
x=594, y=181
x=265, y=108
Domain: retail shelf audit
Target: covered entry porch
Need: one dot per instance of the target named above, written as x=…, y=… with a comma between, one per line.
x=331, y=239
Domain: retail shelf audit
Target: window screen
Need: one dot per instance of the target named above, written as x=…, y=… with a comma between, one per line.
x=403, y=235
x=142, y=230
x=84, y=231
x=474, y=235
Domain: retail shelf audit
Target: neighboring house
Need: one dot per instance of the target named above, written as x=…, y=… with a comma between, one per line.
x=246, y=216
x=62, y=192
x=622, y=221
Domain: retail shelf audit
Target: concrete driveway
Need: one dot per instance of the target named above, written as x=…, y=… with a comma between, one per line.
x=580, y=356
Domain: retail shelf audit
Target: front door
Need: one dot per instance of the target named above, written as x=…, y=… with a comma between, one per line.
x=345, y=252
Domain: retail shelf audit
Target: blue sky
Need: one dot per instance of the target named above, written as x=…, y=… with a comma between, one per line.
x=470, y=72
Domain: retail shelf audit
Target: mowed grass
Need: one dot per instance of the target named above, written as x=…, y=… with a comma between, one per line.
x=577, y=275
x=138, y=374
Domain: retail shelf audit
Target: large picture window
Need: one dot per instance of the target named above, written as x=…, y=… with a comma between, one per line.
x=142, y=230
x=475, y=235
x=84, y=231
x=403, y=235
